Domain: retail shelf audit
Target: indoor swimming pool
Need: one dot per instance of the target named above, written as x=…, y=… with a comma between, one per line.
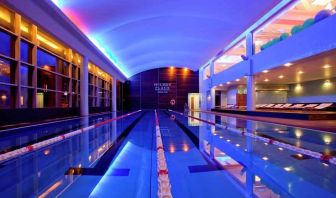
x=206, y=155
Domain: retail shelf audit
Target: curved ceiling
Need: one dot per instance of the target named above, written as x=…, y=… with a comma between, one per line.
x=141, y=35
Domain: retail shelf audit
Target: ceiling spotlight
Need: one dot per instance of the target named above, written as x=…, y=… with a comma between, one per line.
x=288, y=64
x=300, y=72
x=281, y=76
x=326, y=66
x=228, y=82
x=221, y=85
x=265, y=71
x=237, y=79
x=266, y=80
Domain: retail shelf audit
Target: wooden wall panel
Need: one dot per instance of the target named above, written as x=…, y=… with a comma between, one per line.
x=171, y=83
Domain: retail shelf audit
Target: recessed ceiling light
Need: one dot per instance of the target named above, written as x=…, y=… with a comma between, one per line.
x=288, y=168
x=281, y=76
x=265, y=71
x=288, y=64
x=266, y=80
x=220, y=84
x=300, y=72
x=265, y=158
x=326, y=66
x=228, y=82
x=237, y=79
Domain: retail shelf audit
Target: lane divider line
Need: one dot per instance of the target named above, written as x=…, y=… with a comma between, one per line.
x=164, y=186
x=322, y=157
x=24, y=150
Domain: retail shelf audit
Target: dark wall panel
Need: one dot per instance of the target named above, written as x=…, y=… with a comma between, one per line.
x=155, y=88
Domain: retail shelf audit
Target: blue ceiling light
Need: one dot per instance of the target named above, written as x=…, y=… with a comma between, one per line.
x=108, y=54
x=60, y=4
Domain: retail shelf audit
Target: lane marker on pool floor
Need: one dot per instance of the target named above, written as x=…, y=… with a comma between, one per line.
x=164, y=188
x=30, y=148
x=322, y=157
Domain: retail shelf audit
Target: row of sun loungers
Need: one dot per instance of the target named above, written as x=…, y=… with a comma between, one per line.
x=301, y=106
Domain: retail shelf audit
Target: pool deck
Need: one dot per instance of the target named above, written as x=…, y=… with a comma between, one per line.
x=323, y=125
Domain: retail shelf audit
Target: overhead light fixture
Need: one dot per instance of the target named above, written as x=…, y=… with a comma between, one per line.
x=266, y=80
x=281, y=76
x=288, y=168
x=221, y=85
x=228, y=82
x=265, y=158
x=288, y=64
x=326, y=66
x=300, y=72
x=237, y=79
x=265, y=71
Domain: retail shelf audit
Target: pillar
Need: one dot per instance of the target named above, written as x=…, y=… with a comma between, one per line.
x=212, y=89
x=250, y=83
x=250, y=176
x=84, y=88
x=114, y=94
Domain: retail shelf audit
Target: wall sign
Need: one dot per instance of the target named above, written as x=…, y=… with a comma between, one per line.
x=162, y=88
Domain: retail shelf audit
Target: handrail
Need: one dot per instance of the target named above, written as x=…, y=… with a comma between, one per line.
x=23, y=150
x=325, y=158
x=164, y=188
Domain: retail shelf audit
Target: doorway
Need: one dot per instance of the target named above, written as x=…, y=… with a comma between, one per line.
x=193, y=101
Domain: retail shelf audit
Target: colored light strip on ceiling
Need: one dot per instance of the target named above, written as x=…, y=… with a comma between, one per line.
x=96, y=41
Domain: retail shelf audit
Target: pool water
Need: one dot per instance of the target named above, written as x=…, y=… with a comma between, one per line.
x=118, y=159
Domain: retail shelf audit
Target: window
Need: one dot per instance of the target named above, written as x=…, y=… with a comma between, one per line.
x=5, y=71
x=63, y=67
x=45, y=99
x=26, y=73
x=45, y=80
x=74, y=86
x=6, y=44
x=25, y=52
x=24, y=98
x=230, y=57
x=300, y=15
x=46, y=61
x=74, y=100
x=73, y=72
x=5, y=97
x=64, y=100
x=63, y=84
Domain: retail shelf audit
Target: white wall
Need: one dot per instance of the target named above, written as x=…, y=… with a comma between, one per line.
x=231, y=95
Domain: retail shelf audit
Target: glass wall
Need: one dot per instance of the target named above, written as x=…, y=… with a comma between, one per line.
x=36, y=70
x=99, y=87
x=297, y=17
x=230, y=57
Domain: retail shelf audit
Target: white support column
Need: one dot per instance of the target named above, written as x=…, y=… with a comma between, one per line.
x=202, y=90
x=212, y=89
x=114, y=94
x=250, y=84
x=84, y=88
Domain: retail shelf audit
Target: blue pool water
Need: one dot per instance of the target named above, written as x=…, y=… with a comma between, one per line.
x=119, y=159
